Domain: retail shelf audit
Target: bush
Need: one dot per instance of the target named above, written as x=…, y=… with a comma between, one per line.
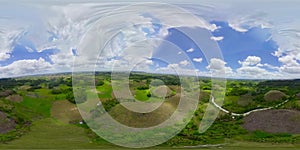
x=99, y=82
x=80, y=95
x=70, y=97
x=143, y=87
x=31, y=89
x=57, y=91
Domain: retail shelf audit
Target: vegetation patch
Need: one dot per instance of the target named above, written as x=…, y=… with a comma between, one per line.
x=50, y=134
x=105, y=90
x=39, y=106
x=142, y=95
x=245, y=100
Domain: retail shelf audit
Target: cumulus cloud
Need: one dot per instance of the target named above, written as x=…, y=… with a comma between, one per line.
x=199, y=60
x=177, y=69
x=8, y=38
x=190, y=50
x=184, y=63
x=251, y=61
x=237, y=27
x=218, y=66
x=288, y=60
x=4, y=56
x=252, y=68
x=25, y=67
x=251, y=71
x=219, y=38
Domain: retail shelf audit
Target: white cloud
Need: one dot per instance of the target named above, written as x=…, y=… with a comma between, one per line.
x=29, y=49
x=179, y=53
x=190, y=50
x=25, y=67
x=251, y=61
x=199, y=60
x=8, y=37
x=184, y=63
x=252, y=68
x=62, y=61
x=291, y=69
x=4, y=56
x=237, y=27
x=288, y=60
x=177, y=69
x=219, y=66
x=290, y=65
x=251, y=71
x=219, y=38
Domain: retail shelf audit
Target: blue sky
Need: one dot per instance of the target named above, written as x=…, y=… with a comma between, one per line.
x=255, y=44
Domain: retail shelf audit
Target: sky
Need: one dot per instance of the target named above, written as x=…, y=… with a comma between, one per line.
x=230, y=38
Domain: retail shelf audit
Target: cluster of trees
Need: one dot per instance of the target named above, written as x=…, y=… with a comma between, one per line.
x=99, y=82
x=107, y=105
x=290, y=87
x=224, y=127
x=54, y=82
x=145, y=87
x=78, y=96
x=260, y=136
x=167, y=79
x=10, y=83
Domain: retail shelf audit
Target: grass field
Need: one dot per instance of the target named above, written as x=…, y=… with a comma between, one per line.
x=141, y=95
x=105, y=90
x=51, y=134
x=38, y=105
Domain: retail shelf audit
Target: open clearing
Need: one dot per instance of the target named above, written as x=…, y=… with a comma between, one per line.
x=142, y=120
x=15, y=98
x=65, y=111
x=6, y=124
x=51, y=134
x=274, y=121
x=274, y=95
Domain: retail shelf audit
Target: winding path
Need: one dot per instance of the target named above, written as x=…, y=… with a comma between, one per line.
x=247, y=113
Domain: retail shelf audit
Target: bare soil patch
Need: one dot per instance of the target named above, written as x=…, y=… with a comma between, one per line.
x=15, y=98
x=6, y=124
x=274, y=121
x=298, y=96
x=274, y=95
x=65, y=112
x=142, y=120
x=162, y=91
x=6, y=93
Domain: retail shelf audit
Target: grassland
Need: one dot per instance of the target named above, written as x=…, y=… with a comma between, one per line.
x=45, y=119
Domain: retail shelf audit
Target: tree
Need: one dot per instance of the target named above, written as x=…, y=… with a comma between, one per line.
x=99, y=82
x=70, y=97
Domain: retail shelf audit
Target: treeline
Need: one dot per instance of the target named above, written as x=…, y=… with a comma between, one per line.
x=290, y=87
x=167, y=79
